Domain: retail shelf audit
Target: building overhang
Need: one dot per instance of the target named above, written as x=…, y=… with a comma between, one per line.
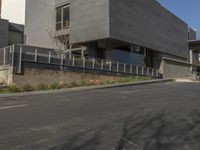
x=194, y=45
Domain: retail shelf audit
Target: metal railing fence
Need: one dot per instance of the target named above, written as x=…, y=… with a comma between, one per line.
x=15, y=55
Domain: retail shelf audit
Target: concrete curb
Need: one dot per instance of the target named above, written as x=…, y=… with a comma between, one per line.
x=84, y=88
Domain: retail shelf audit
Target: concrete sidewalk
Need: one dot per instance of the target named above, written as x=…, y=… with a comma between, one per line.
x=85, y=88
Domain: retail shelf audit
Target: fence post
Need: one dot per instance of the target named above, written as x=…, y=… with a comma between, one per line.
x=93, y=61
x=124, y=68
x=13, y=54
x=137, y=70
x=4, y=56
x=73, y=61
x=49, y=57
x=20, y=59
x=102, y=64
x=36, y=53
x=83, y=62
x=131, y=69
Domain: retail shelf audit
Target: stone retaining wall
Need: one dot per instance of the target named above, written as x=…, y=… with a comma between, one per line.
x=171, y=68
x=34, y=76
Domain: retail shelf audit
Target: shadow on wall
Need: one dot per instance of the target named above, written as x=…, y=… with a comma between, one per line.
x=150, y=131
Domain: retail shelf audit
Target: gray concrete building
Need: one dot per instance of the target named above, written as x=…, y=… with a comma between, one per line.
x=10, y=33
x=131, y=31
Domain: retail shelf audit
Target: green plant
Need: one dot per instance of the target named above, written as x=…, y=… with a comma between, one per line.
x=74, y=84
x=67, y=85
x=12, y=89
x=84, y=83
x=54, y=86
x=26, y=87
x=41, y=86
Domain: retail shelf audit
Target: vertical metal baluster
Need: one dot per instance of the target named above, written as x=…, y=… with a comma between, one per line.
x=117, y=66
x=73, y=61
x=83, y=62
x=20, y=59
x=49, y=57
x=142, y=70
x=131, y=69
x=101, y=64
x=110, y=68
x=13, y=54
x=124, y=68
x=4, y=56
x=137, y=70
x=93, y=63
x=36, y=53
x=147, y=71
x=61, y=59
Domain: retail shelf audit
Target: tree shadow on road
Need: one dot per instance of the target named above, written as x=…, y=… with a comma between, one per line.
x=161, y=131
x=149, y=131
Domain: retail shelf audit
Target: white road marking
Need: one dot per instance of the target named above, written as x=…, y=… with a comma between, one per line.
x=128, y=92
x=10, y=107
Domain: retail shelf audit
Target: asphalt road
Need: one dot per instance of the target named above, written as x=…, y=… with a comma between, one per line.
x=145, y=117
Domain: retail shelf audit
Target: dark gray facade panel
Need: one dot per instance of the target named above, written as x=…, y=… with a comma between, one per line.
x=4, y=24
x=147, y=23
x=89, y=20
x=15, y=38
x=192, y=34
x=40, y=22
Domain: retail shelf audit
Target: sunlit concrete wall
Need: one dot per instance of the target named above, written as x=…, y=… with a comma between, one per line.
x=40, y=22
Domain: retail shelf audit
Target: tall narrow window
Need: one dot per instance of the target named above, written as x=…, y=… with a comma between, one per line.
x=62, y=17
x=58, y=18
x=66, y=17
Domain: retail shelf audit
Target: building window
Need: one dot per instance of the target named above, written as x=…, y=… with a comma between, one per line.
x=58, y=19
x=62, y=17
x=66, y=17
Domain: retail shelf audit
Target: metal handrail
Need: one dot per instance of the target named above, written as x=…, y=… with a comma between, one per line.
x=34, y=54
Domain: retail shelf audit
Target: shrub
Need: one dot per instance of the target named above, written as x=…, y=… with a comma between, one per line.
x=67, y=85
x=54, y=86
x=12, y=88
x=84, y=83
x=27, y=87
x=74, y=84
x=41, y=86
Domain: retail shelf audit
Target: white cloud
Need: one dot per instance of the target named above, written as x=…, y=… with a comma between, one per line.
x=14, y=10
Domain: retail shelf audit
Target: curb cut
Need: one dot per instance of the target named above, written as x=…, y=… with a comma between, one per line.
x=85, y=88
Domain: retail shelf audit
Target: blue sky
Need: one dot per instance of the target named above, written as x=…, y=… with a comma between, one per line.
x=187, y=10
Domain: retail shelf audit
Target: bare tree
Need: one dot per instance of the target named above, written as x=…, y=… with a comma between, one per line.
x=62, y=43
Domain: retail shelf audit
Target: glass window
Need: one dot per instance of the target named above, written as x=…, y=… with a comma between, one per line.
x=58, y=19
x=62, y=17
x=66, y=17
